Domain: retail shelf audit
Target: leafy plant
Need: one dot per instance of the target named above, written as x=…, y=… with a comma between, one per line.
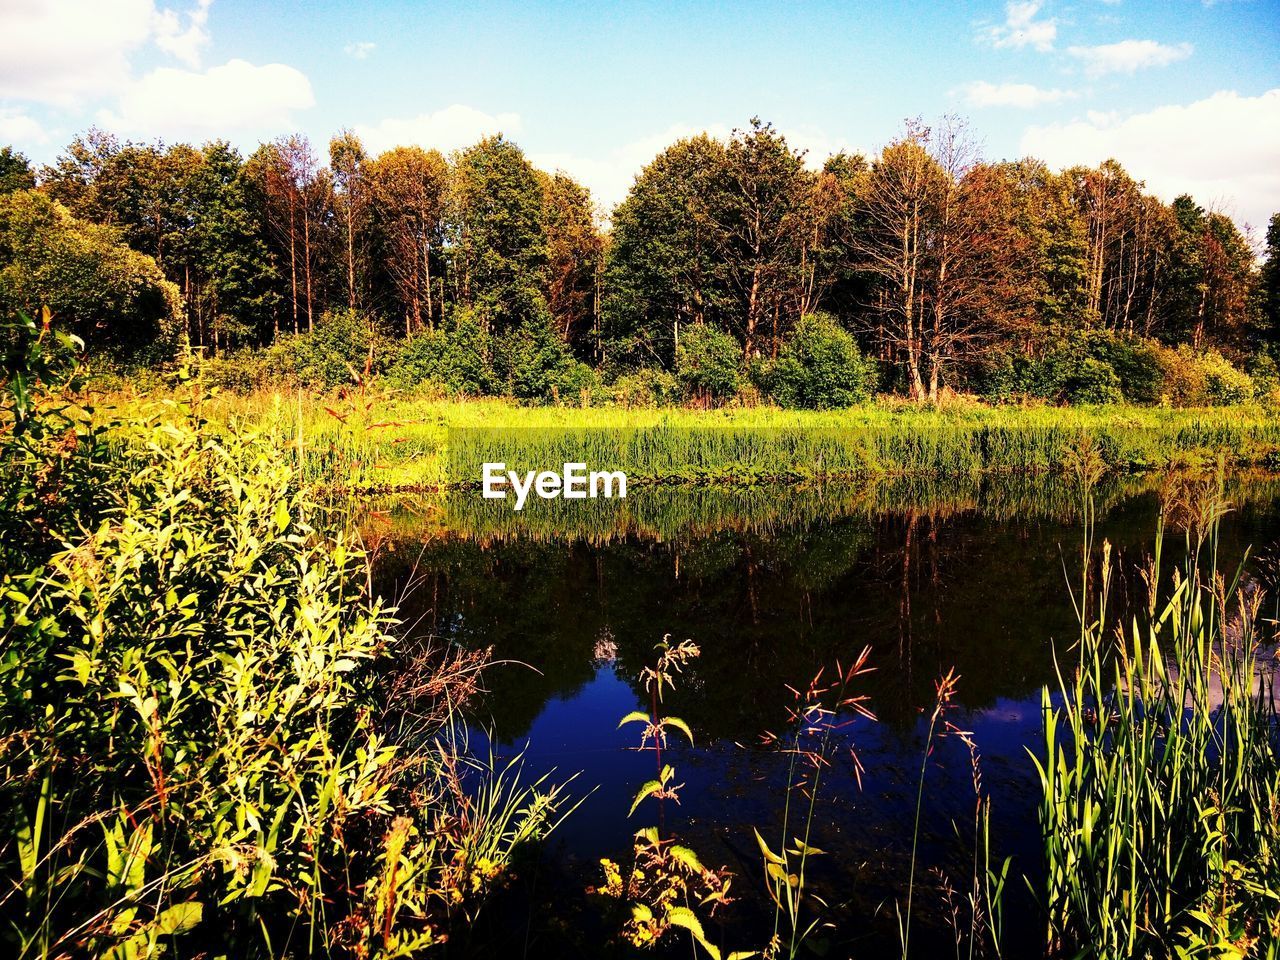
x=667, y=883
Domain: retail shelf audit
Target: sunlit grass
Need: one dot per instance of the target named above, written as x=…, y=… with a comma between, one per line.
x=374, y=441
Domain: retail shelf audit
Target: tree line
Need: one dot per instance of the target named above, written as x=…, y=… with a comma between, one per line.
x=944, y=266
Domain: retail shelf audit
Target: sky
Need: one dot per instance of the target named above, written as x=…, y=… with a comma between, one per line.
x=1185, y=93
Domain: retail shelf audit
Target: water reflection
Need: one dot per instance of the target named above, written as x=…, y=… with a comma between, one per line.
x=773, y=584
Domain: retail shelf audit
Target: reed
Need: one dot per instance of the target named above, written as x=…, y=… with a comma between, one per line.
x=367, y=440
x=1159, y=767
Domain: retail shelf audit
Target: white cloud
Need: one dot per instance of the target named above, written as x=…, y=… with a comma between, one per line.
x=184, y=45
x=236, y=96
x=64, y=52
x=61, y=52
x=360, y=49
x=1223, y=150
x=448, y=129
x=1022, y=29
x=1129, y=56
x=18, y=128
x=980, y=93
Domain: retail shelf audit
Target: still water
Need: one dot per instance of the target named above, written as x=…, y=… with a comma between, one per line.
x=773, y=585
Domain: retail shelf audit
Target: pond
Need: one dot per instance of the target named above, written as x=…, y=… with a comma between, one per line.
x=773, y=585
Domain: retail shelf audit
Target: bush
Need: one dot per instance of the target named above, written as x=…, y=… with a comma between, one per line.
x=1092, y=381
x=205, y=733
x=1100, y=366
x=531, y=362
x=646, y=387
x=819, y=366
x=1202, y=379
x=96, y=287
x=576, y=382
x=455, y=359
x=1266, y=378
x=1135, y=360
x=708, y=364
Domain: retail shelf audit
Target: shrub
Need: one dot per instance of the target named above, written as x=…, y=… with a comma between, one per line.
x=708, y=364
x=576, y=382
x=95, y=285
x=1092, y=381
x=530, y=360
x=1135, y=360
x=336, y=351
x=201, y=735
x=1202, y=379
x=646, y=387
x=457, y=358
x=819, y=366
x=1266, y=378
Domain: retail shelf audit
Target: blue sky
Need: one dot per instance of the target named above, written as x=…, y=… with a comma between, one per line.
x=1185, y=93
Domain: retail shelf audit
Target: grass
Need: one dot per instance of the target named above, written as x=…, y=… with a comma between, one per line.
x=1160, y=769
x=374, y=442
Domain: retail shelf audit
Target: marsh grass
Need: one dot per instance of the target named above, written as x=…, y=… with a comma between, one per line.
x=1159, y=766
x=366, y=439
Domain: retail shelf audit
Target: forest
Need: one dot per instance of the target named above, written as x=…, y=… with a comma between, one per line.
x=734, y=271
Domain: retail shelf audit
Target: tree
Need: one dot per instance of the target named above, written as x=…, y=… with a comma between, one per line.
x=297, y=195
x=407, y=188
x=708, y=363
x=230, y=284
x=663, y=267
x=819, y=366
x=897, y=208
x=95, y=286
x=1269, y=284
x=575, y=249
x=498, y=234
x=347, y=161
x=762, y=229
x=15, y=171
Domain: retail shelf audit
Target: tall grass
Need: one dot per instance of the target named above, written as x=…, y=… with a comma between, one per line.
x=1159, y=767
x=373, y=441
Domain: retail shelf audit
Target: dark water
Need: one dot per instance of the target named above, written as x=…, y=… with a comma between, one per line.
x=774, y=585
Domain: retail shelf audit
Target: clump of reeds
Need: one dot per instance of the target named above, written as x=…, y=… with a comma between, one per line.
x=1159, y=766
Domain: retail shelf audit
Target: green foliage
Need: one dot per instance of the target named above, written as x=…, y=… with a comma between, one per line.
x=819, y=366
x=708, y=363
x=645, y=387
x=662, y=269
x=1092, y=381
x=52, y=454
x=200, y=736
x=531, y=362
x=1159, y=769
x=94, y=285
x=499, y=231
x=1203, y=379
x=15, y=171
x=457, y=358
x=1104, y=367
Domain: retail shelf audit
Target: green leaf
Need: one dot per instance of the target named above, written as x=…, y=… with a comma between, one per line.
x=679, y=725
x=635, y=716
x=180, y=918
x=685, y=918
x=282, y=515
x=687, y=857
x=769, y=855
x=650, y=788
